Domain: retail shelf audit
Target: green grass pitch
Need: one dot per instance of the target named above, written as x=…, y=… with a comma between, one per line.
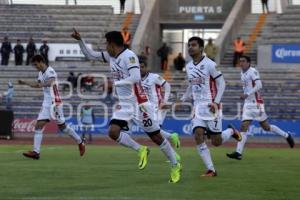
x=109, y=173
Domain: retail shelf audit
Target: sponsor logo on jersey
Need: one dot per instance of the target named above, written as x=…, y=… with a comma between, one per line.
x=132, y=60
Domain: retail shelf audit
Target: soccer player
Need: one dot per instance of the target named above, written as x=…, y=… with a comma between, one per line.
x=206, y=88
x=133, y=105
x=51, y=108
x=152, y=84
x=253, y=108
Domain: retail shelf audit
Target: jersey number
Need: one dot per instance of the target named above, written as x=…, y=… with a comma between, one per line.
x=147, y=122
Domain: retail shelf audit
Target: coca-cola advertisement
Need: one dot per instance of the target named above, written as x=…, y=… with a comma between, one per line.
x=26, y=125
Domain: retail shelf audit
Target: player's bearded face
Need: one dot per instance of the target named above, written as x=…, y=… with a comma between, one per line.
x=194, y=48
x=110, y=49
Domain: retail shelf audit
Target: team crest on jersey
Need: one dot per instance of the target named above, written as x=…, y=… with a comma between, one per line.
x=201, y=67
x=132, y=60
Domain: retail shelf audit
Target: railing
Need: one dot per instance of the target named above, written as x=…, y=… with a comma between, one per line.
x=130, y=5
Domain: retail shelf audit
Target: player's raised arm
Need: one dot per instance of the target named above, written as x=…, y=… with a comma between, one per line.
x=88, y=52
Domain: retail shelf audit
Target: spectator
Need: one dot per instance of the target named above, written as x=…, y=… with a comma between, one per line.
x=126, y=37
x=5, y=51
x=30, y=50
x=163, y=52
x=211, y=50
x=239, y=47
x=67, y=2
x=19, y=51
x=72, y=79
x=88, y=82
x=44, y=49
x=87, y=120
x=122, y=6
x=179, y=62
x=264, y=4
x=9, y=95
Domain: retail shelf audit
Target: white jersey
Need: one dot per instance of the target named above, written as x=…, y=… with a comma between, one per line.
x=51, y=94
x=152, y=84
x=201, y=77
x=120, y=67
x=248, y=79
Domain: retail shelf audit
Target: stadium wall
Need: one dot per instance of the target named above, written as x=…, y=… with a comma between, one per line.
x=181, y=126
x=148, y=31
x=278, y=55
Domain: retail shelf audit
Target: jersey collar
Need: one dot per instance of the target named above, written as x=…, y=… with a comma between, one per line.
x=199, y=61
x=120, y=53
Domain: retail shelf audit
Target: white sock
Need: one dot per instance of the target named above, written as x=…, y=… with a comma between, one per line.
x=226, y=134
x=68, y=130
x=168, y=150
x=125, y=140
x=277, y=130
x=205, y=155
x=37, y=140
x=240, y=145
x=165, y=134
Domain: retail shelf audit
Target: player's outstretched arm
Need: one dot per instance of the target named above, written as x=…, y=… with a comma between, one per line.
x=88, y=52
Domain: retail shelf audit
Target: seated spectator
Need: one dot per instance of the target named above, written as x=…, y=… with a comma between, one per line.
x=179, y=62
x=88, y=82
x=72, y=79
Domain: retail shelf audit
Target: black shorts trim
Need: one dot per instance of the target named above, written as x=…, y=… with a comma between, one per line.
x=121, y=123
x=153, y=133
x=207, y=131
x=47, y=120
x=199, y=127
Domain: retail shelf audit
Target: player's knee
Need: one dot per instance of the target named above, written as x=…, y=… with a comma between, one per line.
x=266, y=128
x=114, y=133
x=156, y=137
x=62, y=127
x=216, y=142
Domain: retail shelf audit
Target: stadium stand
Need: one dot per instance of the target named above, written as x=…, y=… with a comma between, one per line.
x=284, y=28
x=55, y=22
x=244, y=32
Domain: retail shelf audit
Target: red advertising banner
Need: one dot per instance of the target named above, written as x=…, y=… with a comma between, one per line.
x=26, y=125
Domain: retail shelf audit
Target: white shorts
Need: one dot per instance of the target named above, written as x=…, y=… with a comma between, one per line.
x=52, y=112
x=253, y=111
x=142, y=115
x=205, y=119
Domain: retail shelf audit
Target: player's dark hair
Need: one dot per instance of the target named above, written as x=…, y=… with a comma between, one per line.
x=38, y=58
x=142, y=61
x=246, y=57
x=198, y=39
x=114, y=37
